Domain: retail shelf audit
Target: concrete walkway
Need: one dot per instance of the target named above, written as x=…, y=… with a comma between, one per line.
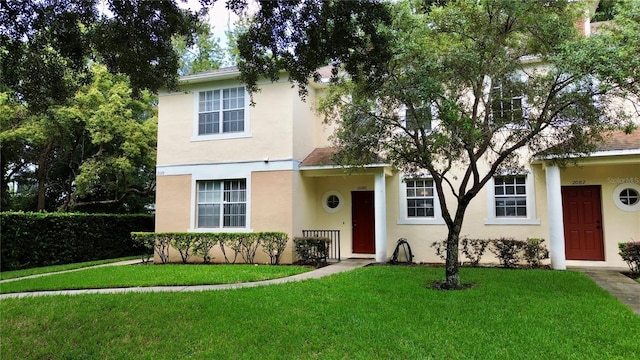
x=618, y=285
x=342, y=266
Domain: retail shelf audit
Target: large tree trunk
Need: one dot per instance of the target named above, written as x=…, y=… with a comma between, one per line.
x=452, y=271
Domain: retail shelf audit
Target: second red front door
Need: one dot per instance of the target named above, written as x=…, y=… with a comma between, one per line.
x=582, y=217
x=363, y=222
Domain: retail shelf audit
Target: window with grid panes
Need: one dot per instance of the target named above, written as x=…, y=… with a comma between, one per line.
x=505, y=104
x=221, y=111
x=221, y=203
x=420, y=198
x=510, y=196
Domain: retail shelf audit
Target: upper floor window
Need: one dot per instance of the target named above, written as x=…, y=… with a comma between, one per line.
x=221, y=203
x=506, y=104
x=420, y=118
x=221, y=111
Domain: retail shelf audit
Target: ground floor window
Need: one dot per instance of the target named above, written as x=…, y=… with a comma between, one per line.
x=510, y=196
x=420, y=198
x=221, y=203
x=511, y=199
x=419, y=204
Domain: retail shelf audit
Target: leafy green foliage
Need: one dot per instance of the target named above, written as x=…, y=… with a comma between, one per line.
x=534, y=252
x=507, y=251
x=312, y=250
x=203, y=245
x=498, y=82
x=300, y=36
x=49, y=42
x=203, y=55
x=273, y=244
x=630, y=253
x=473, y=249
x=96, y=153
x=40, y=239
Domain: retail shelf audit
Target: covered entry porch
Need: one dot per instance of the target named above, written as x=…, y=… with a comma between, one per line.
x=594, y=204
x=350, y=201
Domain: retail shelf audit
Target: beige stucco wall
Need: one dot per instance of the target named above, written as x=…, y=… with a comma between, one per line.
x=270, y=127
x=173, y=203
x=271, y=207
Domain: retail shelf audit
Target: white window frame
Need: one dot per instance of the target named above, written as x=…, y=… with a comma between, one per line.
x=530, y=219
x=232, y=173
x=616, y=197
x=403, y=203
x=196, y=136
x=221, y=202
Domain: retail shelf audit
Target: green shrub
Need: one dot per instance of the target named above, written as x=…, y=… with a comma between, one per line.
x=184, y=243
x=630, y=253
x=507, y=251
x=473, y=249
x=312, y=250
x=146, y=240
x=203, y=244
x=231, y=241
x=535, y=252
x=42, y=239
x=273, y=244
x=249, y=243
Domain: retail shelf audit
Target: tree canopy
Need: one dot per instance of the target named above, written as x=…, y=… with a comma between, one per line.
x=462, y=90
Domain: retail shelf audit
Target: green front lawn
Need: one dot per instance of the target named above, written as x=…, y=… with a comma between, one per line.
x=152, y=275
x=57, y=268
x=375, y=312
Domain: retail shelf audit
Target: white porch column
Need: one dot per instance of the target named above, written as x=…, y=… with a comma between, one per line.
x=380, y=205
x=556, y=223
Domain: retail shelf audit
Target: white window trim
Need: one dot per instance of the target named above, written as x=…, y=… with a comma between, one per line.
x=193, y=220
x=405, y=219
x=616, y=197
x=530, y=219
x=230, y=135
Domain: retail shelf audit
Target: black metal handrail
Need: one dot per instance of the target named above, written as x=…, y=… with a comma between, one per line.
x=333, y=235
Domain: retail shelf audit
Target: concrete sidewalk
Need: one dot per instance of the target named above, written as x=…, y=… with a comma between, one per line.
x=342, y=266
x=618, y=285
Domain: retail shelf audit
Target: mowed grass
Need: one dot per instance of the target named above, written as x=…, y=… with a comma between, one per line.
x=375, y=312
x=151, y=275
x=57, y=268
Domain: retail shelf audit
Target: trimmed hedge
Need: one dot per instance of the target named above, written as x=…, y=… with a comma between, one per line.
x=41, y=239
x=243, y=244
x=630, y=253
x=312, y=249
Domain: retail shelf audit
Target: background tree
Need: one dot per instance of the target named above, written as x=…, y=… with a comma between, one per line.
x=97, y=153
x=205, y=53
x=47, y=50
x=484, y=84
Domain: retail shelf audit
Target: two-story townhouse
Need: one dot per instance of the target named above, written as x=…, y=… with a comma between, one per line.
x=224, y=165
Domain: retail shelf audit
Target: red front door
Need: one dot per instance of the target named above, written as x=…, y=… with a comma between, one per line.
x=582, y=223
x=363, y=222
